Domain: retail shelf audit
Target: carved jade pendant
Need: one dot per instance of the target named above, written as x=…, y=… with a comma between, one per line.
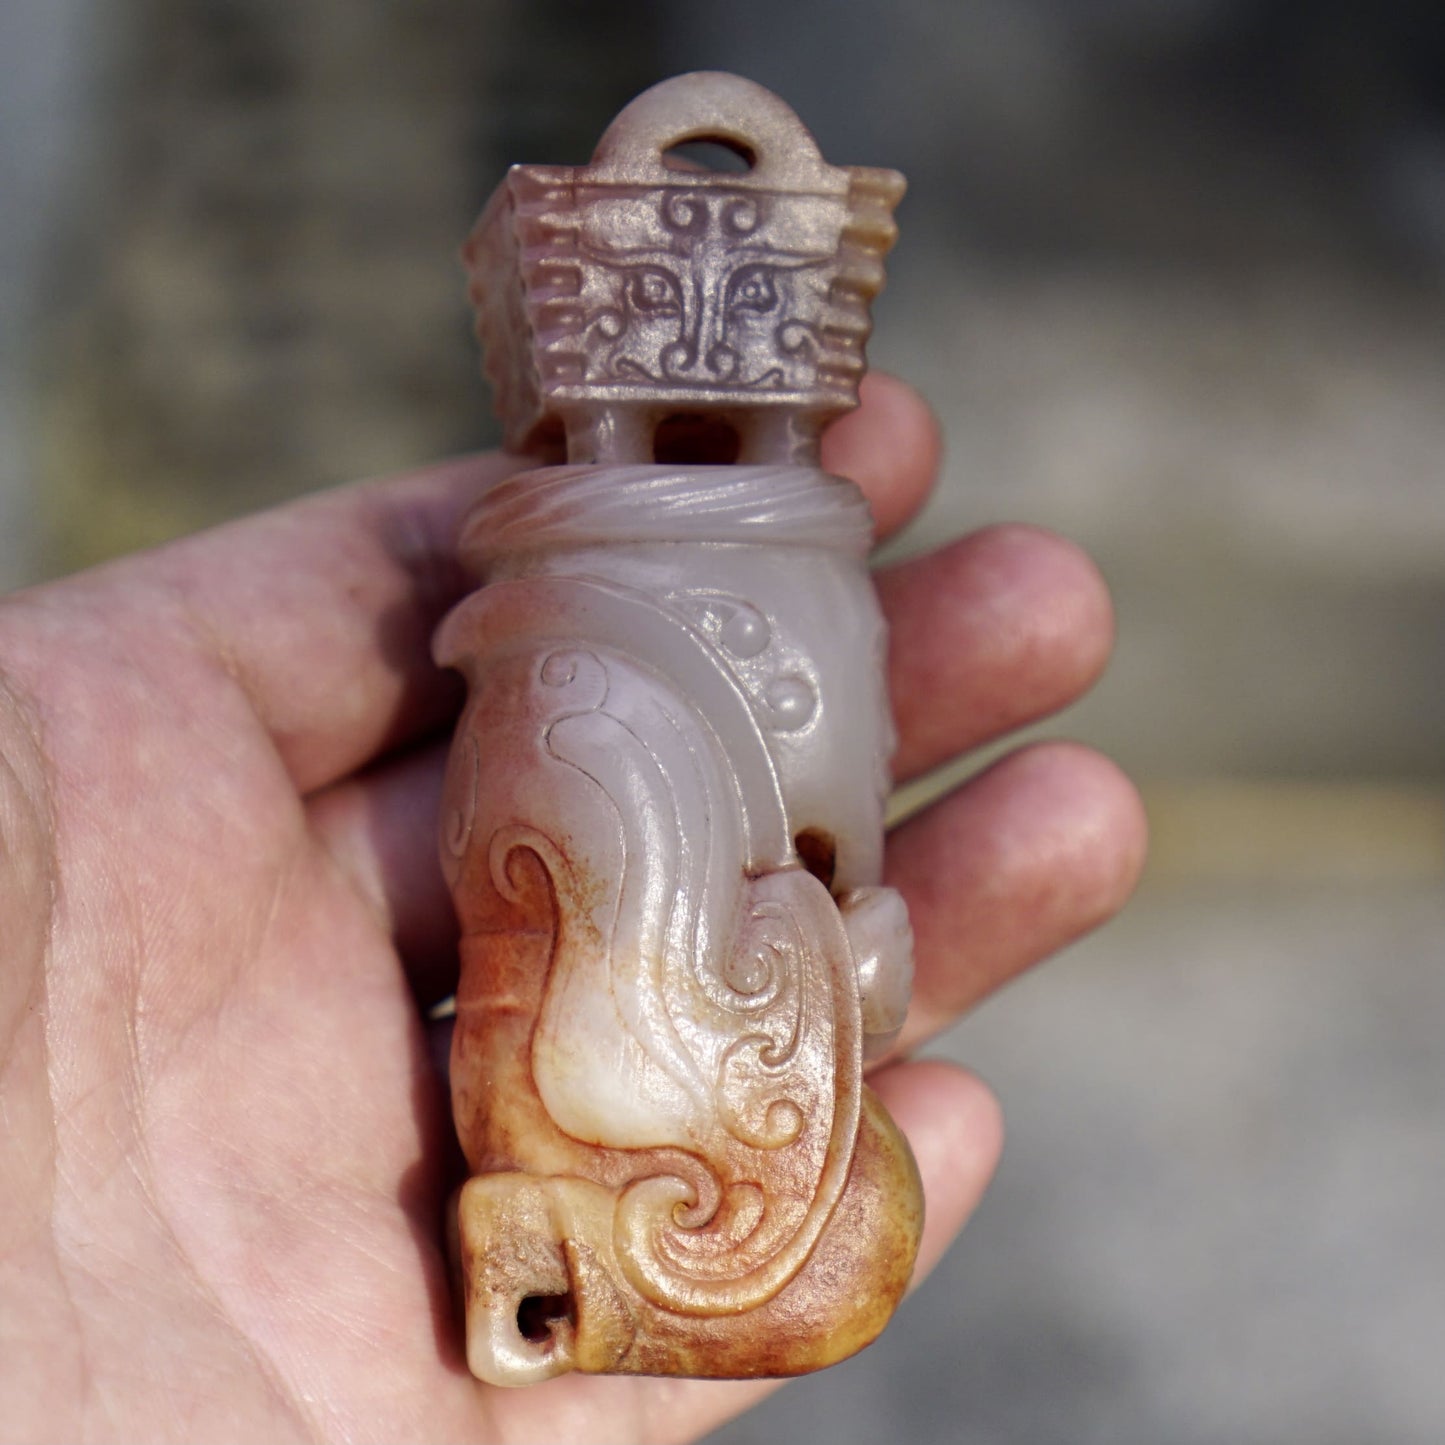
x=663, y=818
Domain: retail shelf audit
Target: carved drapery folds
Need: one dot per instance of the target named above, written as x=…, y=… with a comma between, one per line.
x=662, y=822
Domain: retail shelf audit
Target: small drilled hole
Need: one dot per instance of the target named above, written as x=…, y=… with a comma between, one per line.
x=539, y=1314
x=819, y=854
x=692, y=440
x=710, y=153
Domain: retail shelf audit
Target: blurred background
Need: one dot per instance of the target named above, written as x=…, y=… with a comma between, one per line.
x=1173, y=273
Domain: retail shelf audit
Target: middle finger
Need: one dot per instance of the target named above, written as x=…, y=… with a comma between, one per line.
x=986, y=634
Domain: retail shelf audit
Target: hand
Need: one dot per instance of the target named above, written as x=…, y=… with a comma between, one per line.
x=225, y=1146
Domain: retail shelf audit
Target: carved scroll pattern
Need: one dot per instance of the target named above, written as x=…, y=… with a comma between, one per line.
x=780, y=682
x=701, y=1000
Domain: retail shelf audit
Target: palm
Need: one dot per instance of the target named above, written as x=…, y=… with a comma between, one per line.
x=229, y=1145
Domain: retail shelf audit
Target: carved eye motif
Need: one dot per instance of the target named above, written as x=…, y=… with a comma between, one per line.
x=753, y=290
x=653, y=293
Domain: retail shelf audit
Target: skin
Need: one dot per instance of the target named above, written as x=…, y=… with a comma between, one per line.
x=224, y=1143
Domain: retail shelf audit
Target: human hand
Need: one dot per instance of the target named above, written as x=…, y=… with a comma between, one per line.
x=225, y=1147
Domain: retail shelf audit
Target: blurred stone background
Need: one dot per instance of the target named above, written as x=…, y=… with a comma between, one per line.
x=1173, y=272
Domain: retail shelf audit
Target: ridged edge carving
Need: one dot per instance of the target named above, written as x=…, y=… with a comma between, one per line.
x=587, y=505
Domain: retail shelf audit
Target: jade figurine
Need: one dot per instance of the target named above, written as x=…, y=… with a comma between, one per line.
x=662, y=822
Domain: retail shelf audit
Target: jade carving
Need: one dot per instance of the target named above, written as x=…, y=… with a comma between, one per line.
x=663, y=816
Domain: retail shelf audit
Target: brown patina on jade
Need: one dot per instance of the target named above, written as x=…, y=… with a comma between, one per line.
x=663, y=816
